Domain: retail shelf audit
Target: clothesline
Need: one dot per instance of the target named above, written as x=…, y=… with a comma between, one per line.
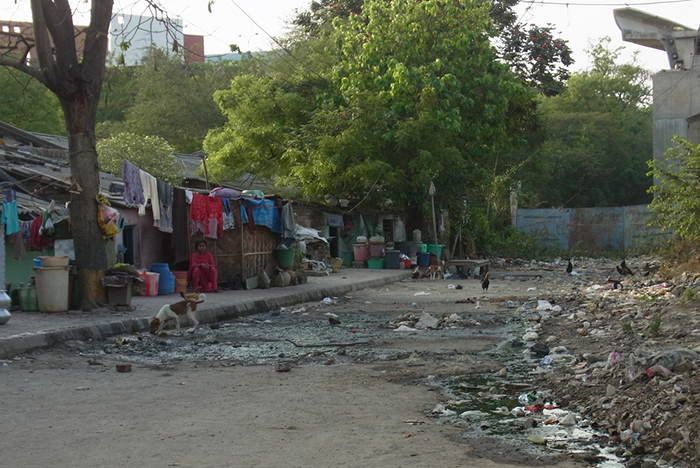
x=209, y=213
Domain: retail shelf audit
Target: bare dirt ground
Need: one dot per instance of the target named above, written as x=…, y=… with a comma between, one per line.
x=361, y=393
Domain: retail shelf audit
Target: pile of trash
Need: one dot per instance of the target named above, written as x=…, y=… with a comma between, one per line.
x=637, y=361
x=409, y=321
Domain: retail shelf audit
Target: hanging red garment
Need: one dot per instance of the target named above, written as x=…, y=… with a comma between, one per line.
x=207, y=216
x=36, y=240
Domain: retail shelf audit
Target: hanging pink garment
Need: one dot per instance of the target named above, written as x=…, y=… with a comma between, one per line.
x=207, y=216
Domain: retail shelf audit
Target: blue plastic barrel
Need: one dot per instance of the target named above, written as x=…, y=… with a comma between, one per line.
x=166, y=281
x=423, y=259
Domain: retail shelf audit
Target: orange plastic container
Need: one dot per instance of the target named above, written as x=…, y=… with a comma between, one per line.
x=180, y=281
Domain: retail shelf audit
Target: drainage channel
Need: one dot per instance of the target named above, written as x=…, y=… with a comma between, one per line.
x=505, y=405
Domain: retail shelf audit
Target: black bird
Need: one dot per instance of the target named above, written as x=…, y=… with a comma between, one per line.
x=485, y=282
x=333, y=320
x=569, y=268
x=619, y=270
x=625, y=269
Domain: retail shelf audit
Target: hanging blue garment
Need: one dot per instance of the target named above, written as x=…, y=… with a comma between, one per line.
x=9, y=217
x=264, y=213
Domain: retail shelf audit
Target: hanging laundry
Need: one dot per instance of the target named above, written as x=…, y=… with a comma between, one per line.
x=165, y=198
x=150, y=191
x=9, y=217
x=179, y=239
x=333, y=220
x=206, y=215
x=26, y=228
x=37, y=240
x=288, y=223
x=229, y=222
x=348, y=225
x=222, y=192
x=133, y=190
x=263, y=213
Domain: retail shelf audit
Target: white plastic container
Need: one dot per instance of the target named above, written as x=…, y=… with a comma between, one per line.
x=52, y=288
x=417, y=236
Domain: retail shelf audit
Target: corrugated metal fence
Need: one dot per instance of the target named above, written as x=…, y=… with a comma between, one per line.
x=591, y=229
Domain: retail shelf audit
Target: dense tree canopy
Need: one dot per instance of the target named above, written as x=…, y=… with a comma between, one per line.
x=599, y=138
x=27, y=104
x=532, y=51
x=166, y=97
x=413, y=93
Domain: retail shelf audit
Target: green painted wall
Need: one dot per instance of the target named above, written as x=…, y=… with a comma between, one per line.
x=20, y=270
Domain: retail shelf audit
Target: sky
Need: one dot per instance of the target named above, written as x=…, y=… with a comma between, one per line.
x=250, y=23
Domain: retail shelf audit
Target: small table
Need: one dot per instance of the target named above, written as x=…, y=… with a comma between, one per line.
x=470, y=265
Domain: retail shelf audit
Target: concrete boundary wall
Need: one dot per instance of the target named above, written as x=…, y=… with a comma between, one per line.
x=591, y=229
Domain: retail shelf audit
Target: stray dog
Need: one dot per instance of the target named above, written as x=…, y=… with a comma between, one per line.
x=435, y=271
x=174, y=311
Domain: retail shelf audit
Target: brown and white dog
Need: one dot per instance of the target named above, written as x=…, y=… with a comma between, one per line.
x=174, y=311
x=435, y=271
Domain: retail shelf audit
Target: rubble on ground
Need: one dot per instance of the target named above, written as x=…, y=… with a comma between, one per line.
x=636, y=369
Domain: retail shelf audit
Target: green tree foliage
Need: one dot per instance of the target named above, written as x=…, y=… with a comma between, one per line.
x=599, y=137
x=676, y=190
x=117, y=94
x=27, y=104
x=415, y=92
x=533, y=52
x=167, y=97
x=150, y=153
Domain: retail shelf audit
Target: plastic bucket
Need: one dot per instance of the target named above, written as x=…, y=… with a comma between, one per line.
x=423, y=248
x=151, y=281
x=375, y=263
x=423, y=260
x=54, y=261
x=285, y=258
x=347, y=258
x=431, y=249
x=27, y=299
x=376, y=249
x=180, y=281
x=406, y=263
x=360, y=252
x=52, y=290
x=392, y=258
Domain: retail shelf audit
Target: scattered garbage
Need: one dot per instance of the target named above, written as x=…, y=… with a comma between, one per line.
x=546, y=362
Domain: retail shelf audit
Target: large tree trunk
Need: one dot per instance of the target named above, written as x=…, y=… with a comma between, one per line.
x=87, y=237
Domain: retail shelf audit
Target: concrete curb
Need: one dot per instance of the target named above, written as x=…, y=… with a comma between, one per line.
x=17, y=344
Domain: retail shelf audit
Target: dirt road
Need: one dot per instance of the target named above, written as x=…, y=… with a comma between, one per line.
x=215, y=399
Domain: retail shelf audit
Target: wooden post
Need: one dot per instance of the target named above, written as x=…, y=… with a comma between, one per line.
x=431, y=192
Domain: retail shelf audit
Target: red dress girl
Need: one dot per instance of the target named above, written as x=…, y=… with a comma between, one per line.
x=202, y=272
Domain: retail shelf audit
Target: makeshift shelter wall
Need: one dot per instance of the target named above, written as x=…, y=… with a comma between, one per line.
x=151, y=244
x=238, y=251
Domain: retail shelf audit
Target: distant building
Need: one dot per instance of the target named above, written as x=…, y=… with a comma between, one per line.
x=133, y=35
x=17, y=35
x=138, y=32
